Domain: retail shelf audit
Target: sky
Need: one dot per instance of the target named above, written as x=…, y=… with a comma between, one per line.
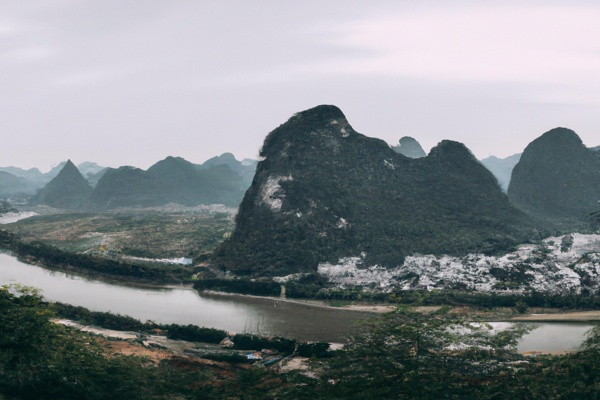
x=131, y=82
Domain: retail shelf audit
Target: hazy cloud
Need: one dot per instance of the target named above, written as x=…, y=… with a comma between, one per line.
x=132, y=82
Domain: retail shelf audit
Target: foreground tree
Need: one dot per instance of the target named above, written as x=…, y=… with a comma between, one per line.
x=411, y=355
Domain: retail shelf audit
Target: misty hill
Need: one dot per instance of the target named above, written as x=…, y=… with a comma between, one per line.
x=68, y=190
x=557, y=178
x=190, y=184
x=172, y=180
x=409, y=147
x=89, y=168
x=324, y=192
x=128, y=187
x=15, y=186
x=34, y=175
x=245, y=168
x=502, y=168
x=94, y=177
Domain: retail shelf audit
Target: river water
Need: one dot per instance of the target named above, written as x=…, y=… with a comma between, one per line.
x=241, y=314
x=233, y=313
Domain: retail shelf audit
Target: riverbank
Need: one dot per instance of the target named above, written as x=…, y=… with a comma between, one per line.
x=364, y=307
x=560, y=316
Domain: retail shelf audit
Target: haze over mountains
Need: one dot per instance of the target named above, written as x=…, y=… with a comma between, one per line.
x=220, y=180
x=67, y=190
x=172, y=180
x=324, y=191
x=502, y=168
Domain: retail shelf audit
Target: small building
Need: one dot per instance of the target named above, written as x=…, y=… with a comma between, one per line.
x=254, y=356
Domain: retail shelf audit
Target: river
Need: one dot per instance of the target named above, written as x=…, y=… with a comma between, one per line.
x=241, y=314
x=233, y=313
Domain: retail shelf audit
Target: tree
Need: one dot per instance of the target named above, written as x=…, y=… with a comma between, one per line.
x=406, y=354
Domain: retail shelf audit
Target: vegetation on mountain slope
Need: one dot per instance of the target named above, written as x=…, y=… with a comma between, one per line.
x=324, y=191
x=558, y=179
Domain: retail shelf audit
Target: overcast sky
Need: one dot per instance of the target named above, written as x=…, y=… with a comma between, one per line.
x=131, y=82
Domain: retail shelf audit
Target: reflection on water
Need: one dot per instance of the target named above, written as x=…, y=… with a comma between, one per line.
x=185, y=305
x=552, y=336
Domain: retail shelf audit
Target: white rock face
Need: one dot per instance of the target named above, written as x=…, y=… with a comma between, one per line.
x=272, y=194
x=564, y=264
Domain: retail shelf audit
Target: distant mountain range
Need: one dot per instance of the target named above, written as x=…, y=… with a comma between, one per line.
x=22, y=183
x=325, y=192
x=173, y=180
x=220, y=180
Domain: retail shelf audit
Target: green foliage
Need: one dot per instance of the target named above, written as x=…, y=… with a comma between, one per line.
x=318, y=349
x=595, y=220
x=109, y=320
x=232, y=358
x=402, y=354
x=98, y=318
x=557, y=178
x=521, y=307
x=53, y=257
x=242, y=286
x=6, y=207
x=412, y=355
x=42, y=360
x=254, y=342
x=194, y=333
x=311, y=202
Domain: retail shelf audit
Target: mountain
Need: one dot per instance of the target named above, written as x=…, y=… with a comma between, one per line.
x=597, y=148
x=11, y=186
x=190, y=184
x=501, y=168
x=244, y=168
x=409, y=147
x=32, y=174
x=557, y=178
x=94, y=177
x=128, y=187
x=172, y=180
x=324, y=192
x=68, y=190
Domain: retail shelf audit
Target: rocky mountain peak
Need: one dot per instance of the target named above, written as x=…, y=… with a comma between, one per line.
x=409, y=147
x=68, y=190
